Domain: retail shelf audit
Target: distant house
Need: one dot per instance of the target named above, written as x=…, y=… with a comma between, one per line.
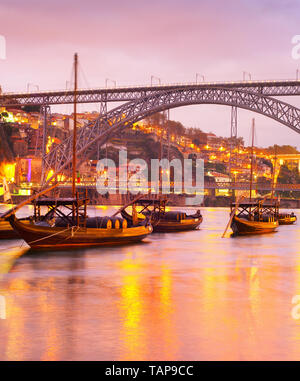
x=214, y=141
x=219, y=177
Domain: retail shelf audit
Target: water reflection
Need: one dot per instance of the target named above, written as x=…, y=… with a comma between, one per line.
x=131, y=309
x=185, y=296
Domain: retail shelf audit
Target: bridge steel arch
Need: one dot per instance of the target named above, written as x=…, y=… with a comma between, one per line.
x=60, y=157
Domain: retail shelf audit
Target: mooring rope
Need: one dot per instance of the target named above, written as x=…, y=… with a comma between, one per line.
x=51, y=235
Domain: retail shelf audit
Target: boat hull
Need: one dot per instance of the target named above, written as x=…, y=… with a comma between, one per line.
x=46, y=237
x=164, y=226
x=287, y=220
x=6, y=231
x=241, y=226
x=169, y=226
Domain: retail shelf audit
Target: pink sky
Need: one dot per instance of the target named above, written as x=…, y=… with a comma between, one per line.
x=128, y=41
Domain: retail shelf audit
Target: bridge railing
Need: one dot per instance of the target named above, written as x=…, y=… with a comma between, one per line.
x=162, y=85
x=208, y=185
x=257, y=186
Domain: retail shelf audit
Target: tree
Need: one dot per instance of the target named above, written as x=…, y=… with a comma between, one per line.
x=285, y=149
x=175, y=127
x=288, y=176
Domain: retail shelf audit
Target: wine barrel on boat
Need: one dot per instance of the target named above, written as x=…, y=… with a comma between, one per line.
x=172, y=216
x=98, y=222
x=118, y=223
x=91, y=222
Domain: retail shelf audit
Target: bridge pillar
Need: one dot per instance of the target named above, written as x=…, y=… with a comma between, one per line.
x=168, y=132
x=102, y=111
x=103, y=107
x=46, y=112
x=233, y=136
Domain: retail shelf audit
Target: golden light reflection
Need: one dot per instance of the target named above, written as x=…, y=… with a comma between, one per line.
x=131, y=309
x=103, y=207
x=295, y=324
x=8, y=258
x=148, y=315
x=219, y=313
x=7, y=170
x=15, y=330
x=166, y=316
x=186, y=296
x=254, y=288
x=52, y=340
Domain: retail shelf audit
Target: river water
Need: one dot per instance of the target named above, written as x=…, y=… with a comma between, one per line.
x=179, y=296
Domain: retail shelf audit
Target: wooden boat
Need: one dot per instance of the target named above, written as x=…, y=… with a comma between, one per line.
x=286, y=218
x=66, y=226
x=161, y=220
x=282, y=218
x=253, y=217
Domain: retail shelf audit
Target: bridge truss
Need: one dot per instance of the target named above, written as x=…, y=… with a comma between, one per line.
x=123, y=94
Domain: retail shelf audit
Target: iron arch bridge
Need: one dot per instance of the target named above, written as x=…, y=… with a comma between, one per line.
x=60, y=157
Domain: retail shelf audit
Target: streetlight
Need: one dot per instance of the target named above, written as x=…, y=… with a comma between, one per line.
x=297, y=74
x=111, y=80
x=153, y=77
x=246, y=73
x=201, y=76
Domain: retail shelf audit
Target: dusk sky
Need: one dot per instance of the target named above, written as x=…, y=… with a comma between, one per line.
x=128, y=41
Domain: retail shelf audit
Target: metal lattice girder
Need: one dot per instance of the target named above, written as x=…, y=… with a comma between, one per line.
x=269, y=88
x=233, y=130
x=233, y=137
x=98, y=131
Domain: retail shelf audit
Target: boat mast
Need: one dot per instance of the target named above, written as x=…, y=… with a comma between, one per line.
x=252, y=150
x=74, y=124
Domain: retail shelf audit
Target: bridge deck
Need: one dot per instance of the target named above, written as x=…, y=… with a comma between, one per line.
x=127, y=93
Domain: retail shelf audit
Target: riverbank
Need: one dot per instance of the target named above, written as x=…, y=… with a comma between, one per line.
x=173, y=200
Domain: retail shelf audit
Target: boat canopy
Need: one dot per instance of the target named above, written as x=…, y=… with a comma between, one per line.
x=55, y=202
